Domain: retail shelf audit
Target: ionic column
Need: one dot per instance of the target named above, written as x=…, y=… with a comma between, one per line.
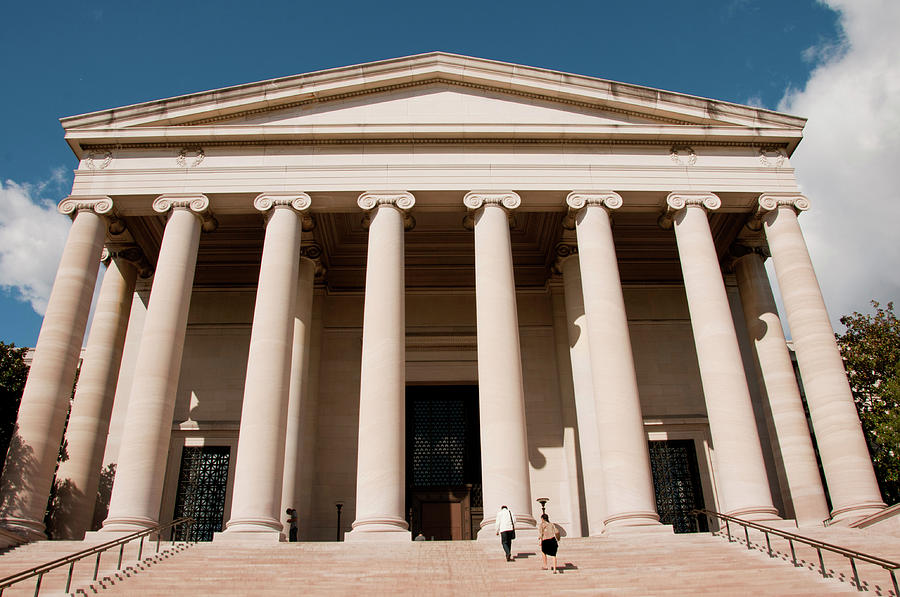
x=137, y=490
x=842, y=446
x=785, y=405
x=627, y=479
x=79, y=475
x=259, y=465
x=33, y=450
x=298, y=391
x=501, y=398
x=381, y=462
x=741, y=473
x=583, y=385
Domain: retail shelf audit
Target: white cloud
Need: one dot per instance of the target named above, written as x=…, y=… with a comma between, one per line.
x=32, y=236
x=848, y=163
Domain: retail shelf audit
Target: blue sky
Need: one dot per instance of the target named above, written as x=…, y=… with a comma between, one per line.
x=62, y=58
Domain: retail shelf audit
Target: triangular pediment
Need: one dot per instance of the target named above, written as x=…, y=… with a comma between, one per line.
x=438, y=103
x=436, y=94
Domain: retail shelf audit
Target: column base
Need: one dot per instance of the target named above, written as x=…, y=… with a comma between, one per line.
x=380, y=529
x=21, y=530
x=847, y=514
x=632, y=530
x=638, y=518
x=127, y=524
x=762, y=514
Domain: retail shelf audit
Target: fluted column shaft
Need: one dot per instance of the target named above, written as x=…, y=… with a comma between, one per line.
x=298, y=389
x=788, y=419
x=627, y=479
x=585, y=409
x=845, y=458
x=137, y=490
x=381, y=461
x=33, y=451
x=741, y=474
x=88, y=426
x=501, y=398
x=259, y=466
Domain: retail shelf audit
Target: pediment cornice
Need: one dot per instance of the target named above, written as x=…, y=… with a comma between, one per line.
x=208, y=113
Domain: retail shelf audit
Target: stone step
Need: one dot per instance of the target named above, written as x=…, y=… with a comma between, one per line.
x=667, y=565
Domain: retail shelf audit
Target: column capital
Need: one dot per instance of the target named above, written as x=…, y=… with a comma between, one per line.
x=563, y=251
x=130, y=253
x=770, y=202
x=578, y=200
x=402, y=200
x=679, y=200
x=298, y=201
x=508, y=200
x=313, y=252
x=194, y=202
x=99, y=204
x=742, y=248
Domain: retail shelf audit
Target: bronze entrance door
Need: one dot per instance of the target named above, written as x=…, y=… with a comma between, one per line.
x=443, y=462
x=676, y=480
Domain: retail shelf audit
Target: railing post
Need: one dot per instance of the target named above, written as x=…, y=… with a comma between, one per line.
x=121, y=551
x=855, y=574
x=893, y=580
x=141, y=548
x=793, y=553
x=768, y=544
x=747, y=536
x=728, y=530
x=158, y=538
x=69, y=578
x=37, y=586
x=821, y=562
x=97, y=564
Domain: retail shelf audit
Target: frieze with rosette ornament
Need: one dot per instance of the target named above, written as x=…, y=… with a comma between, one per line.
x=402, y=200
x=677, y=201
x=194, y=202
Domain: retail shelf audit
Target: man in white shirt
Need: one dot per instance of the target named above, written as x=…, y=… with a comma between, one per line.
x=505, y=526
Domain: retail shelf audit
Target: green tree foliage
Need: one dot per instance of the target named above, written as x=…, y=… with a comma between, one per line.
x=13, y=372
x=870, y=347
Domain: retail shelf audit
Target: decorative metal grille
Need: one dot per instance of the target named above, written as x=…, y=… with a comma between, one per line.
x=443, y=444
x=439, y=443
x=676, y=479
x=201, y=490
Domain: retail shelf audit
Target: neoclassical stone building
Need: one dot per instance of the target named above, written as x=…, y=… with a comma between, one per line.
x=407, y=292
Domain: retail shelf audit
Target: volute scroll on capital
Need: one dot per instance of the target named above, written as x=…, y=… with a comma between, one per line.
x=578, y=200
x=194, y=202
x=770, y=202
x=401, y=200
x=298, y=201
x=563, y=251
x=130, y=253
x=475, y=200
x=677, y=201
x=99, y=204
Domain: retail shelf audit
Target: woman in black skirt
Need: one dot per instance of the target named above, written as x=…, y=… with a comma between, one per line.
x=549, y=540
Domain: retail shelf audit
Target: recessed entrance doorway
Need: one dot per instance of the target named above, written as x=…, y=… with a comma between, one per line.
x=443, y=462
x=676, y=480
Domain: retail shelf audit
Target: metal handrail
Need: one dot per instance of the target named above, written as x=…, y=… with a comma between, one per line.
x=73, y=558
x=851, y=554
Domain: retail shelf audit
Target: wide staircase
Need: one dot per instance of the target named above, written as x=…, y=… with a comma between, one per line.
x=648, y=564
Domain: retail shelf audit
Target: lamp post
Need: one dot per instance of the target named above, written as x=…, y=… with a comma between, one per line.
x=338, y=505
x=543, y=503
